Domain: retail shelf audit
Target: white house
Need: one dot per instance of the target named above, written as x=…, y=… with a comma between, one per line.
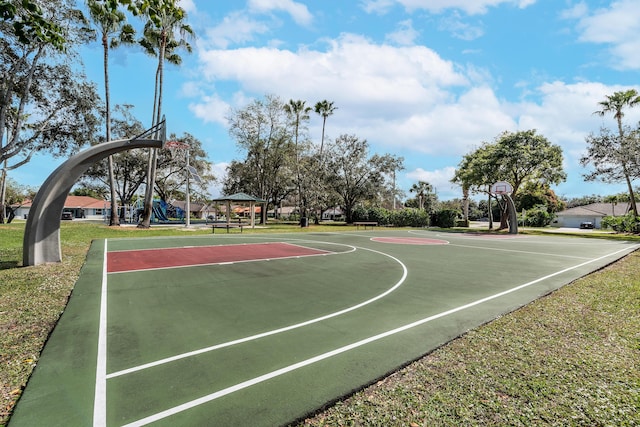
x=79, y=207
x=594, y=213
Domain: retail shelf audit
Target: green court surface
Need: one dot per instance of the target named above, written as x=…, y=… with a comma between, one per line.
x=263, y=329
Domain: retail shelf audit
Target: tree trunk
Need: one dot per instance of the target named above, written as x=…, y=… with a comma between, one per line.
x=153, y=154
x=3, y=194
x=114, y=220
x=632, y=197
x=490, y=212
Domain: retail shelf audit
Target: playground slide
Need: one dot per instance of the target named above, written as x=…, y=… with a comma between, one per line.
x=160, y=216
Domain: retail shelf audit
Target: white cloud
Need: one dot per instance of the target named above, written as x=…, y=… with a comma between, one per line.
x=298, y=11
x=564, y=113
x=352, y=71
x=211, y=109
x=235, y=28
x=403, y=98
x=617, y=26
x=379, y=7
x=405, y=35
x=470, y=7
x=460, y=29
x=440, y=179
x=188, y=6
x=219, y=170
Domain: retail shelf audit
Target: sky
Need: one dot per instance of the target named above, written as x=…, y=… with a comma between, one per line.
x=426, y=80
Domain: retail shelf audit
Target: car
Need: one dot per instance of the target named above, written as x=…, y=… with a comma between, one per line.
x=67, y=215
x=586, y=225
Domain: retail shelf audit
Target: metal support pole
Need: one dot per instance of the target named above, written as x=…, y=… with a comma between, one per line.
x=188, y=204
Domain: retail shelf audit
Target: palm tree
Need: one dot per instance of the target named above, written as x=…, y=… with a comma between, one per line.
x=165, y=22
x=422, y=190
x=298, y=112
x=325, y=109
x=110, y=23
x=616, y=103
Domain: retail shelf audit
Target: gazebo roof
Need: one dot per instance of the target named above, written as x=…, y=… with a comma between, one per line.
x=239, y=197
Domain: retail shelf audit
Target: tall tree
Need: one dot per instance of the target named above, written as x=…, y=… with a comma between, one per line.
x=44, y=104
x=353, y=175
x=525, y=156
x=164, y=33
x=614, y=158
x=325, y=109
x=423, y=191
x=615, y=104
x=112, y=31
x=476, y=173
x=298, y=114
x=515, y=157
x=262, y=131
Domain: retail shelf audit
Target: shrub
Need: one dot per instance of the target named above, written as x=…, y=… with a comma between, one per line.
x=380, y=215
x=446, y=218
x=409, y=217
x=538, y=216
x=622, y=224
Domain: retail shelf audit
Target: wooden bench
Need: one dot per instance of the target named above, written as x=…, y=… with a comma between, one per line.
x=226, y=225
x=365, y=224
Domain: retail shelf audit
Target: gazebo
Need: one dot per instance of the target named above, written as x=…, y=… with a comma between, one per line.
x=242, y=198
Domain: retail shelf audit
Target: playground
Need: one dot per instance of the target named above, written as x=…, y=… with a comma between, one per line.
x=263, y=329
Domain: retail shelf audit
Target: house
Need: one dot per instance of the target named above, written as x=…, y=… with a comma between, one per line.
x=594, y=213
x=79, y=207
x=333, y=214
x=198, y=210
x=283, y=212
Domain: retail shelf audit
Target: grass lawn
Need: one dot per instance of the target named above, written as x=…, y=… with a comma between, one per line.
x=571, y=358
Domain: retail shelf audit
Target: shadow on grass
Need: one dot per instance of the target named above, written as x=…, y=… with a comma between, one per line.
x=6, y=265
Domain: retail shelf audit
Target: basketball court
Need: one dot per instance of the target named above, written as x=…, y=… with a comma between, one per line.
x=263, y=329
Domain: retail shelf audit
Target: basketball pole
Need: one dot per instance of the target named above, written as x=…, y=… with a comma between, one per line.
x=188, y=201
x=513, y=216
x=505, y=189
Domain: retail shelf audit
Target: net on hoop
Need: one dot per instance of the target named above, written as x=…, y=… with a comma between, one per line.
x=178, y=151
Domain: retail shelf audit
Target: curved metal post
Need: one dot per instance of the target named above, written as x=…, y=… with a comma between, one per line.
x=42, y=232
x=513, y=215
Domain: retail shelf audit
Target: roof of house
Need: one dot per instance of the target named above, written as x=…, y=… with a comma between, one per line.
x=597, y=209
x=239, y=197
x=193, y=207
x=82, y=202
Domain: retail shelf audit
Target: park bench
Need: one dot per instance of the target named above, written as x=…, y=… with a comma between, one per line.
x=365, y=224
x=228, y=226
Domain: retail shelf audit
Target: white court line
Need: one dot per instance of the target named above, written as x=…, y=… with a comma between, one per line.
x=100, y=396
x=170, y=248
x=518, y=251
x=275, y=331
x=213, y=396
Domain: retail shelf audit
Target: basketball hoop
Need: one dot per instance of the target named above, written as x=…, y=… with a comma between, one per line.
x=179, y=150
x=501, y=187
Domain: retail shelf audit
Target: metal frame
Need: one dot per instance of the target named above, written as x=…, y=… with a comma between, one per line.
x=42, y=232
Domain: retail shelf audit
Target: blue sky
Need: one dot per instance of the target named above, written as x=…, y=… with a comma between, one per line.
x=428, y=80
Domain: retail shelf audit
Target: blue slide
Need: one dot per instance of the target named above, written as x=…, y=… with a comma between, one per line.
x=159, y=214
